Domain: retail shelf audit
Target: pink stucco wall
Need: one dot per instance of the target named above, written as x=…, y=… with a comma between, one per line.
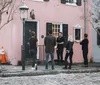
x=52, y=11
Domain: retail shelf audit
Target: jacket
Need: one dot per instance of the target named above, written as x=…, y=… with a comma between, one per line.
x=50, y=42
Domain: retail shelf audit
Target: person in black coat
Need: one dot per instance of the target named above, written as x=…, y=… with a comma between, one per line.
x=69, y=52
x=33, y=44
x=60, y=45
x=84, y=44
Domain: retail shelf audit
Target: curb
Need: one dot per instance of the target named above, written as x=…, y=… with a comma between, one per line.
x=46, y=72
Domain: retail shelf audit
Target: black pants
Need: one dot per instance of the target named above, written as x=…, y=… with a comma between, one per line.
x=60, y=55
x=70, y=58
x=85, y=53
x=33, y=54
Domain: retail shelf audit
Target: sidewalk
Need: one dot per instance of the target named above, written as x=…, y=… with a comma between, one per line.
x=10, y=70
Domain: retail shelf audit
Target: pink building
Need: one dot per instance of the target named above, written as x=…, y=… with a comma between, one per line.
x=59, y=15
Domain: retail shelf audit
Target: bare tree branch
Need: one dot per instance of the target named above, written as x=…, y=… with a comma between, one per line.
x=96, y=29
x=6, y=23
x=93, y=14
x=9, y=8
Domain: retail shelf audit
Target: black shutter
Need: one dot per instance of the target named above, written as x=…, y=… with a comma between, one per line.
x=79, y=2
x=48, y=27
x=63, y=1
x=98, y=37
x=46, y=0
x=65, y=33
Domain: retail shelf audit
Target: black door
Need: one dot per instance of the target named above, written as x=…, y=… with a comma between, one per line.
x=29, y=27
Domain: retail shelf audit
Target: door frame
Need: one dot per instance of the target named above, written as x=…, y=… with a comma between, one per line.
x=37, y=34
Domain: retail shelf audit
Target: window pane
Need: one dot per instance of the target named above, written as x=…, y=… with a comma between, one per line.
x=52, y=30
x=52, y=25
x=67, y=1
x=56, y=26
x=55, y=30
x=70, y=1
x=58, y=30
x=56, y=34
x=77, y=34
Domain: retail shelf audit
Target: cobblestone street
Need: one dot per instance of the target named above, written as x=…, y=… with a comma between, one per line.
x=59, y=79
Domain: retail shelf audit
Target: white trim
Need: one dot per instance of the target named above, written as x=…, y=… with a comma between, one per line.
x=37, y=34
x=38, y=0
x=38, y=39
x=71, y=4
x=56, y=22
x=61, y=28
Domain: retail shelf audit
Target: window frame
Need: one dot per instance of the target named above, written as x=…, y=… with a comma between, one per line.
x=78, y=27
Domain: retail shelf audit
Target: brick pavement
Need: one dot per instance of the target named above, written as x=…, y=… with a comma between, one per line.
x=10, y=70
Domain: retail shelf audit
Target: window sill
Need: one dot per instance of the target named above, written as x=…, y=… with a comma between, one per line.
x=77, y=41
x=73, y=4
x=38, y=0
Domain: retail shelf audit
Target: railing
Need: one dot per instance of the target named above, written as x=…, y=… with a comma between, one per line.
x=41, y=52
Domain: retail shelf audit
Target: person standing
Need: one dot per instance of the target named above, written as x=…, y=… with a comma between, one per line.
x=49, y=42
x=60, y=43
x=33, y=43
x=69, y=52
x=84, y=44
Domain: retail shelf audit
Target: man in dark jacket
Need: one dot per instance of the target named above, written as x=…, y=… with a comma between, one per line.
x=84, y=44
x=60, y=45
x=50, y=42
x=33, y=43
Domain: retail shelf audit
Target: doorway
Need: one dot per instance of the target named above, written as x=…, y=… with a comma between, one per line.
x=30, y=26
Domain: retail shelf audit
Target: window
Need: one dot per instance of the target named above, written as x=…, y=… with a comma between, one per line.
x=69, y=2
x=56, y=29
x=72, y=2
x=98, y=36
x=99, y=16
x=77, y=33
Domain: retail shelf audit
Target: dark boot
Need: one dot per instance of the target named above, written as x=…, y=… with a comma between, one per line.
x=66, y=63
x=69, y=66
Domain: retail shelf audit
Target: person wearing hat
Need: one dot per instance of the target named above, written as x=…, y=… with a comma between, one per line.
x=84, y=44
